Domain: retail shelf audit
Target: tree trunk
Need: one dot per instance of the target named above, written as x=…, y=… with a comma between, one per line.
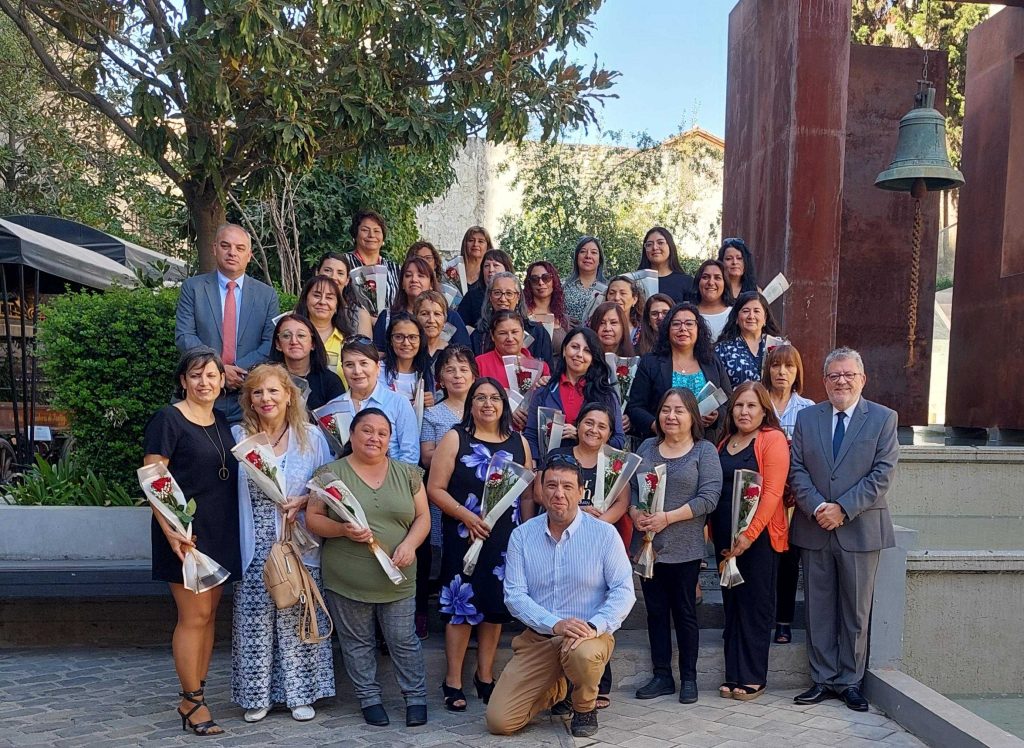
x=206, y=213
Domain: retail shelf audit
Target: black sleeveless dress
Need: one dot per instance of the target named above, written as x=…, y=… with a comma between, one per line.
x=194, y=461
x=485, y=591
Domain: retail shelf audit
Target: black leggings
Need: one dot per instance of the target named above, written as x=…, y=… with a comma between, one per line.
x=671, y=597
x=786, y=584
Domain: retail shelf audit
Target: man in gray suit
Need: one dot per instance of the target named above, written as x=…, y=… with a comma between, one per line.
x=228, y=300
x=844, y=455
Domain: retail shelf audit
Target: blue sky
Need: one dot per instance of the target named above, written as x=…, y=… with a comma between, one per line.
x=672, y=56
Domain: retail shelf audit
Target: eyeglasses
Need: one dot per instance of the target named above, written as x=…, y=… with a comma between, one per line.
x=399, y=338
x=302, y=337
x=484, y=399
x=538, y=279
x=504, y=294
x=839, y=376
x=679, y=324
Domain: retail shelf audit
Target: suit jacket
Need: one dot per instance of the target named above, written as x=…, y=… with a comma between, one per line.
x=857, y=479
x=199, y=318
x=653, y=379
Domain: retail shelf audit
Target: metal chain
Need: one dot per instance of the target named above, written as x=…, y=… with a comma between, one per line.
x=915, y=280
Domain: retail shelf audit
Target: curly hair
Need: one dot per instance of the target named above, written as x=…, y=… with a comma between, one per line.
x=703, y=350
x=557, y=295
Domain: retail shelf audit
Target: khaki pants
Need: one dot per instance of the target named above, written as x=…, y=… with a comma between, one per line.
x=532, y=681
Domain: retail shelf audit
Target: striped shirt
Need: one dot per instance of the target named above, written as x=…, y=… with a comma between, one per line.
x=585, y=574
x=393, y=268
x=787, y=419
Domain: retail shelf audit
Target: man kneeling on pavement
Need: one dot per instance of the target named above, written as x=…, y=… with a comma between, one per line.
x=567, y=578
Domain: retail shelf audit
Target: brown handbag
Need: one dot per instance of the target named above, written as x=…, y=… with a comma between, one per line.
x=283, y=571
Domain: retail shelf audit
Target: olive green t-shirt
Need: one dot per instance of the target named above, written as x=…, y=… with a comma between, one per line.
x=350, y=569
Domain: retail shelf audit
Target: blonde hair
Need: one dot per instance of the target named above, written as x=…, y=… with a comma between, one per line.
x=295, y=414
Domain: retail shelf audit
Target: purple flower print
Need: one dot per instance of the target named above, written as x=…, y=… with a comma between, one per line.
x=455, y=601
x=473, y=505
x=499, y=571
x=480, y=457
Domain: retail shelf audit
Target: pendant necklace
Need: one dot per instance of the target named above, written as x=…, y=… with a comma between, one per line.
x=223, y=473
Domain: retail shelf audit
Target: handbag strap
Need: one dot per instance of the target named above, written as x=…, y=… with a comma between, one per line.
x=310, y=603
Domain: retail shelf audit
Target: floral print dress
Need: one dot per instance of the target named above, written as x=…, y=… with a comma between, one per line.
x=481, y=596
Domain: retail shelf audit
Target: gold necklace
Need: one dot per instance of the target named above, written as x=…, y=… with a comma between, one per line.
x=223, y=473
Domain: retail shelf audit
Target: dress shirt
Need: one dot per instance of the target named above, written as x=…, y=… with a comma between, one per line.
x=405, y=432
x=849, y=414
x=584, y=574
x=787, y=419
x=572, y=397
x=222, y=285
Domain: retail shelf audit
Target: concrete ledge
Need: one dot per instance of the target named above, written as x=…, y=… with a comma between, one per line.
x=74, y=532
x=934, y=453
x=930, y=716
x=965, y=562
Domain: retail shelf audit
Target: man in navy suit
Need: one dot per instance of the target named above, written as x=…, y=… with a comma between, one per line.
x=844, y=455
x=228, y=300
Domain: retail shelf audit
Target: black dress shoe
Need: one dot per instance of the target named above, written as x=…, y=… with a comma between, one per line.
x=815, y=695
x=376, y=716
x=854, y=699
x=659, y=685
x=415, y=715
x=688, y=692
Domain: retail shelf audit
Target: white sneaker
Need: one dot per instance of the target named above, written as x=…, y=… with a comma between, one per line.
x=255, y=715
x=303, y=713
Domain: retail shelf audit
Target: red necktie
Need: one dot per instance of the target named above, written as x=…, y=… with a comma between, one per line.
x=227, y=352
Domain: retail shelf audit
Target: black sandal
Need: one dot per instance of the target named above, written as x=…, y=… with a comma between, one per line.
x=725, y=690
x=783, y=633
x=451, y=695
x=203, y=728
x=483, y=690
x=746, y=693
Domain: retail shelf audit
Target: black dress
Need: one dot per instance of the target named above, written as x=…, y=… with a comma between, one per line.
x=194, y=463
x=486, y=591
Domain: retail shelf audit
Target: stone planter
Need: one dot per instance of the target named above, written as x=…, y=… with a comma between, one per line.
x=74, y=533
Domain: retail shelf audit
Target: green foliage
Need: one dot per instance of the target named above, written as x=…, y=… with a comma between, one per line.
x=110, y=359
x=59, y=158
x=925, y=24
x=68, y=483
x=615, y=191
x=225, y=90
x=943, y=282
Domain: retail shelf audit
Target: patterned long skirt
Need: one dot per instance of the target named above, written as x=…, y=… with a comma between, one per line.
x=269, y=664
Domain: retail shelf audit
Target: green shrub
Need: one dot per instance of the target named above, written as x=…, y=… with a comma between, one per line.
x=68, y=483
x=109, y=358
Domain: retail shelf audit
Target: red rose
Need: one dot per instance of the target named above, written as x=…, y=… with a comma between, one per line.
x=622, y=371
x=652, y=481
x=255, y=460
x=522, y=376
x=452, y=274
x=494, y=477
x=752, y=492
x=161, y=484
x=372, y=285
x=617, y=466
x=327, y=422
x=332, y=491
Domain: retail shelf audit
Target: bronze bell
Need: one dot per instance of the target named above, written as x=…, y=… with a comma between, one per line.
x=921, y=155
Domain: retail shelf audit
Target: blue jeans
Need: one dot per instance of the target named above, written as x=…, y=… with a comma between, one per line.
x=353, y=622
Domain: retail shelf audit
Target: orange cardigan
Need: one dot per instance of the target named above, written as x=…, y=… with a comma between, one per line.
x=771, y=449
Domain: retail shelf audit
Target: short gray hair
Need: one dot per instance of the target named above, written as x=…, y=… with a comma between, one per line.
x=487, y=311
x=843, y=354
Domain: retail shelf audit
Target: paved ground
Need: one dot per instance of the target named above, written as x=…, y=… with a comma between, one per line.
x=110, y=697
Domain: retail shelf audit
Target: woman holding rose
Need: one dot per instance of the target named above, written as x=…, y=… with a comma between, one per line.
x=194, y=441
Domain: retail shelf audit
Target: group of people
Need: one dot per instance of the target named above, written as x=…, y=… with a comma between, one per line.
x=554, y=562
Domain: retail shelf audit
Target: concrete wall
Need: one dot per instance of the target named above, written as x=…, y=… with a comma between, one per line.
x=74, y=532
x=959, y=482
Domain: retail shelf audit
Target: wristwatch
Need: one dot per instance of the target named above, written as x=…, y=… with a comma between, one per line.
x=592, y=625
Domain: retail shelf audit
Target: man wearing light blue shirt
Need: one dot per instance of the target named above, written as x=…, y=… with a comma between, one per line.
x=567, y=577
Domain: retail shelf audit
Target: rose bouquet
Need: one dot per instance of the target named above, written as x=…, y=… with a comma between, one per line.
x=455, y=273
x=335, y=420
x=199, y=572
x=598, y=291
x=452, y=295
x=417, y=403
x=776, y=288
x=523, y=373
x=370, y=283
x=256, y=456
x=646, y=280
x=505, y=482
x=651, y=501
x=746, y=495
x=773, y=341
x=528, y=340
x=447, y=333
x=623, y=370
x=615, y=468
x=550, y=423
x=339, y=498
x=710, y=398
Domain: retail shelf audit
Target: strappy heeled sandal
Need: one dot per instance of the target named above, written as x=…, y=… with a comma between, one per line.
x=203, y=728
x=451, y=695
x=483, y=690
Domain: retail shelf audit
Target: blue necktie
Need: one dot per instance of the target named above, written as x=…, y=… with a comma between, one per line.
x=837, y=437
